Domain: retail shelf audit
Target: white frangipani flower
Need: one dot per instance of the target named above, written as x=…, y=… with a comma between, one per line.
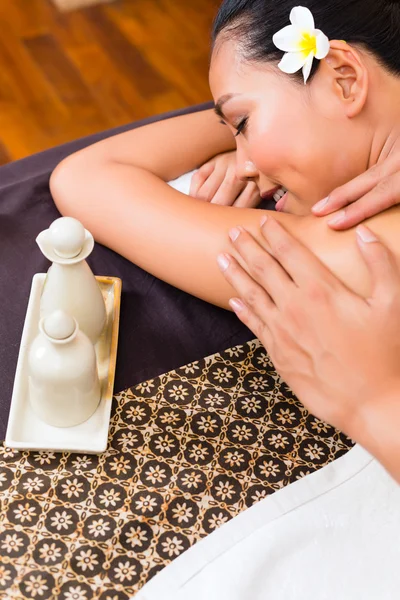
x=301, y=42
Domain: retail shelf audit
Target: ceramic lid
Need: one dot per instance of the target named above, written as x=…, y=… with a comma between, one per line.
x=66, y=241
x=59, y=325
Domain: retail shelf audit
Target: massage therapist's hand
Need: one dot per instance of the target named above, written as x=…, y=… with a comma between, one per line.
x=369, y=194
x=216, y=182
x=340, y=353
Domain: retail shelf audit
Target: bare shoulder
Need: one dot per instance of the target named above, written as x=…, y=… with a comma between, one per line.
x=339, y=251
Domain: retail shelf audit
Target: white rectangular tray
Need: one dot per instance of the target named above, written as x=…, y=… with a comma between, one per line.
x=25, y=430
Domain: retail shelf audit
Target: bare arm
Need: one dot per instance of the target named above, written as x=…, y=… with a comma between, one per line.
x=166, y=148
x=117, y=189
x=177, y=238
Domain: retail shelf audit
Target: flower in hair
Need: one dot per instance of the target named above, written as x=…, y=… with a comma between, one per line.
x=301, y=42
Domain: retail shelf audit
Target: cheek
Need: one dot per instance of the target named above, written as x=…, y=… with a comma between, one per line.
x=272, y=154
x=281, y=143
x=299, y=149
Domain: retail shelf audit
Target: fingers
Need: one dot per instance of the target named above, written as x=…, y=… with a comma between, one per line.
x=252, y=321
x=297, y=260
x=381, y=264
x=350, y=192
x=229, y=189
x=249, y=198
x=217, y=184
x=376, y=177
x=200, y=177
x=255, y=307
x=384, y=195
x=211, y=185
x=262, y=267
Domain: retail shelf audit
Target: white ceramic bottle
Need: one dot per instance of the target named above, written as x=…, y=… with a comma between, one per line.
x=70, y=284
x=64, y=387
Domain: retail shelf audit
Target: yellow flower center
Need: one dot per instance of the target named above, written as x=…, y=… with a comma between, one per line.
x=307, y=44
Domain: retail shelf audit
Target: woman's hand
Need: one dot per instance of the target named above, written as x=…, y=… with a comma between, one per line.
x=339, y=352
x=369, y=194
x=216, y=182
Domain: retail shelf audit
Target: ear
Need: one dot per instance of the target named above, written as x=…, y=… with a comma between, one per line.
x=349, y=76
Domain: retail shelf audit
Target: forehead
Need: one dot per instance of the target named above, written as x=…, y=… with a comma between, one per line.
x=230, y=73
x=226, y=64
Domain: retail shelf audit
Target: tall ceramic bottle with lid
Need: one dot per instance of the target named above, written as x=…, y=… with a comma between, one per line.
x=64, y=386
x=70, y=284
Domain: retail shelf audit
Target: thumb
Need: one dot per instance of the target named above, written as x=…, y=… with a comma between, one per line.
x=381, y=264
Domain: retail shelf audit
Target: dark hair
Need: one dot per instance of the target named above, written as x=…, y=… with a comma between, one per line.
x=372, y=24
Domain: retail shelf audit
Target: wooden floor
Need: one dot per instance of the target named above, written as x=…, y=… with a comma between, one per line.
x=66, y=75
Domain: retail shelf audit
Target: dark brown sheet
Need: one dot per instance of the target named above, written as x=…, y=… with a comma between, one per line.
x=161, y=327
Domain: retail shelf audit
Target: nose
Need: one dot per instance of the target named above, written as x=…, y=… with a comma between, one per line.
x=245, y=168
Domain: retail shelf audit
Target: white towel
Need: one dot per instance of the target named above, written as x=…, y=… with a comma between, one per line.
x=182, y=183
x=333, y=535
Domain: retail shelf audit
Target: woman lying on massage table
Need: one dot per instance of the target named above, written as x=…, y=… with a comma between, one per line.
x=303, y=140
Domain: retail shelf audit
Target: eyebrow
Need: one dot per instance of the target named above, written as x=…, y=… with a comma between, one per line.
x=218, y=106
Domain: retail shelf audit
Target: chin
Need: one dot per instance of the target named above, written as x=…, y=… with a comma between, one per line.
x=301, y=211
x=294, y=206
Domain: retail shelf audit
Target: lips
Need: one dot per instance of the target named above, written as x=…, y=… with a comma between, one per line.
x=267, y=195
x=279, y=206
x=279, y=194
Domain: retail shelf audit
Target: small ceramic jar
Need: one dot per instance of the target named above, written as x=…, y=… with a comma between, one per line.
x=64, y=387
x=70, y=284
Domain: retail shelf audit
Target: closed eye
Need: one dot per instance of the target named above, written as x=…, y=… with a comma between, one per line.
x=241, y=128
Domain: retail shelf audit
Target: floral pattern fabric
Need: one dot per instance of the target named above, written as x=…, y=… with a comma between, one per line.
x=187, y=451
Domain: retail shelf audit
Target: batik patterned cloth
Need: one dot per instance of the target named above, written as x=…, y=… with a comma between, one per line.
x=187, y=451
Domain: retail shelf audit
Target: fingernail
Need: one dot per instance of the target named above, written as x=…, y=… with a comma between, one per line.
x=264, y=219
x=339, y=218
x=223, y=262
x=234, y=234
x=236, y=305
x=320, y=205
x=365, y=234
